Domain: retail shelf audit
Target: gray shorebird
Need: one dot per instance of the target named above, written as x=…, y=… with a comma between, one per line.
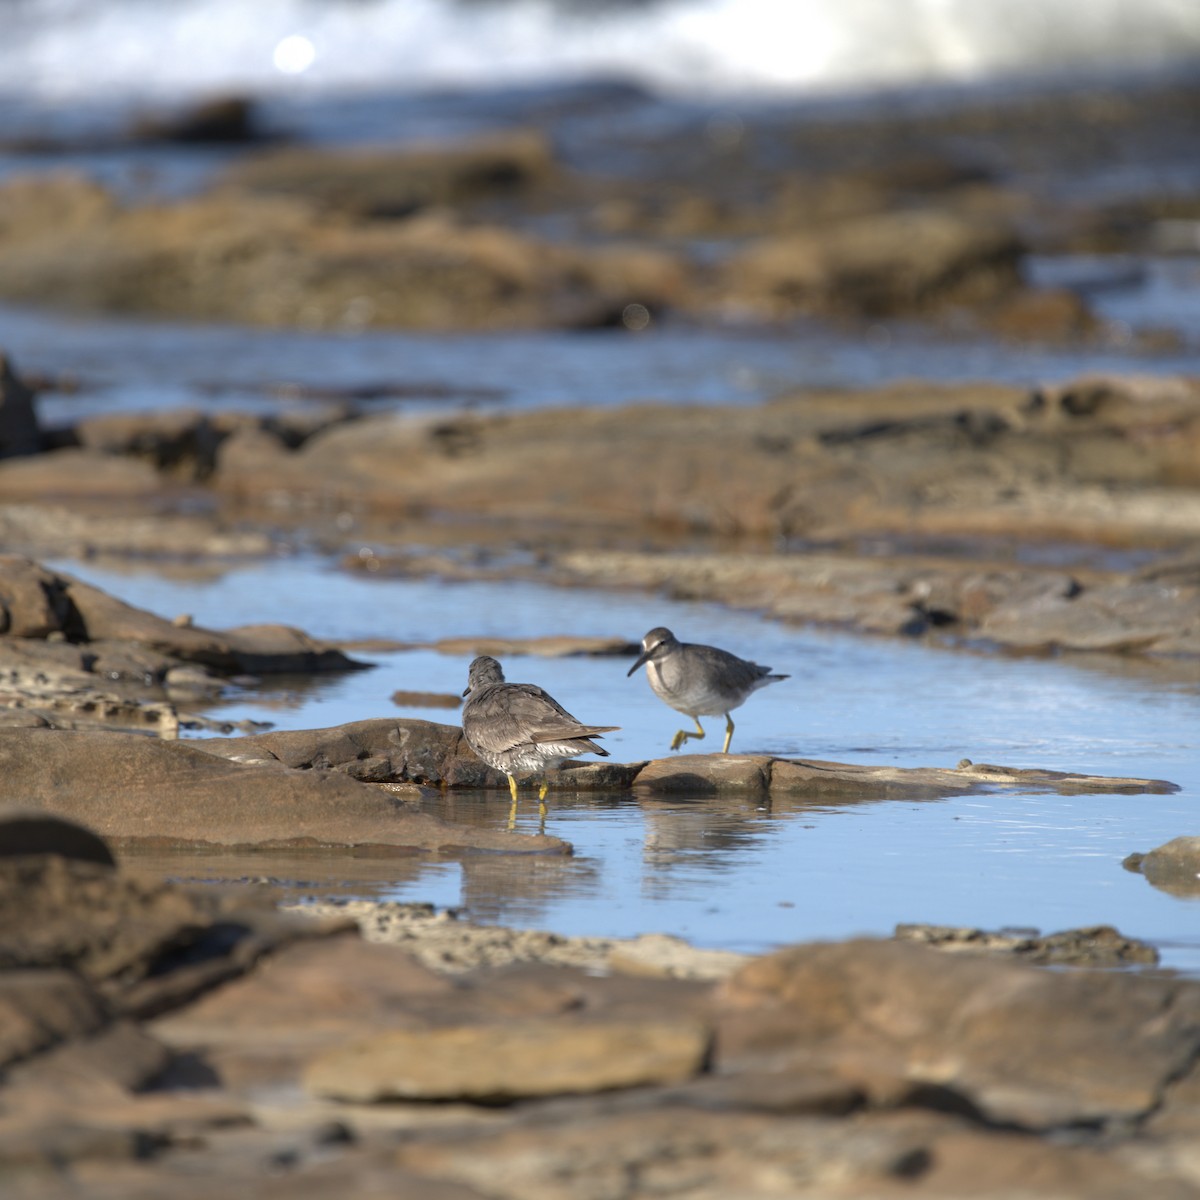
x=700, y=681
x=520, y=729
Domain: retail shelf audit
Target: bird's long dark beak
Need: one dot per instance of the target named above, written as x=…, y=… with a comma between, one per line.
x=645, y=654
x=466, y=689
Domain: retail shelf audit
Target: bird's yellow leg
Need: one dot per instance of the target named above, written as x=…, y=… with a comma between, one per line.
x=512, y=812
x=545, y=787
x=728, y=733
x=683, y=734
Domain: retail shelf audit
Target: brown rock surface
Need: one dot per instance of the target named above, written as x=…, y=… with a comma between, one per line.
x=135, y=788
x=1096, y=946
x=38, y=602
x=986, y=1030
x=494, y=1064
x=879, y=265
x=232, y=256
x=395, y=183
x=861, y=1069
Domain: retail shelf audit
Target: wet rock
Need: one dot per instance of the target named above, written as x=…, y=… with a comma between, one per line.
x=1045, y=315
x=133, y=788
x=414, y=751
x=41, y=603
x=1173, y=867
x=182, y=443
x=905, y=461
x=681, y=1151
x=448, y=944
x=713, y=774
x=1122, y=617
x=706, y=774
x=222, y=120
x=19, y=430
x=321, y=997
x=143, y=945
x=24, y=833
x=396, y=183
x=1097, y=946
x=231, y=256
x=984, y=1030
x=879, y=265
x=43, y=530
x=40, y=1008
x=75, y=475
x=497, y=1064
x=1017, y=607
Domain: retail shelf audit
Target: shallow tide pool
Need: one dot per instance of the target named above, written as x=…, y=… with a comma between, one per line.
x=738, y=873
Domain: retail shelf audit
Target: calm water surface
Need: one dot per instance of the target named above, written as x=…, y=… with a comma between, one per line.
x=740, y=873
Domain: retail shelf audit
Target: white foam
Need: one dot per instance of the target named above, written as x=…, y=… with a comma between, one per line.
x=70, y=48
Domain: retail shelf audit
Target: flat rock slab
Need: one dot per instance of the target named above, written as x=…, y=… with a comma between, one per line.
x=990, y=1031
x=714, y=774
x=134, y=788
x=393, y=750
x=1094, y=946
x=500, y=1063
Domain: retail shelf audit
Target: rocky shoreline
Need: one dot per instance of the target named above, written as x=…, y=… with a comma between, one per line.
x=288, y=1038
x=167, y=1038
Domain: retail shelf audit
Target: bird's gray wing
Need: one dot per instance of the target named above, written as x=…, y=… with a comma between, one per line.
x=736, y=672
x=520, y=714
x=547, y=721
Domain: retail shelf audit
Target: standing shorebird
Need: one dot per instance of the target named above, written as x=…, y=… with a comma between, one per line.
x=700, y=681
x=520, y=729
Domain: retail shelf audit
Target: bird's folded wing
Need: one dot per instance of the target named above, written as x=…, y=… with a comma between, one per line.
x=563, y=732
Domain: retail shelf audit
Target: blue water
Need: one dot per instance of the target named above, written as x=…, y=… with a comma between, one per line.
x=746, y=874
x=126, y=366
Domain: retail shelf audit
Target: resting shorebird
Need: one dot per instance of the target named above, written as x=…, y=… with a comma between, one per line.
x=700, y=681
x=520, y=729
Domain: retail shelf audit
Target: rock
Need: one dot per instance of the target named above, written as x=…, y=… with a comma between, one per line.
x=42, y=530
x=25, y=833
x=144, y=946
x=682, y=1151
x=325, y=995
x=880, y=265
x=77, y=475
x=1044, y=315
x=1098, y=946
x=446, y=943
x=984, y=1030
x=1018, y=608
x=493, y=1064
x=222, y=120
x=40, y=602
x=230, y=256
x=707, y=774
x=141, y=789
x=397, y=182
x=19, y=430
x=711, y=774
x=40, y=1008
x=1173, y=867
x=414, y=751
